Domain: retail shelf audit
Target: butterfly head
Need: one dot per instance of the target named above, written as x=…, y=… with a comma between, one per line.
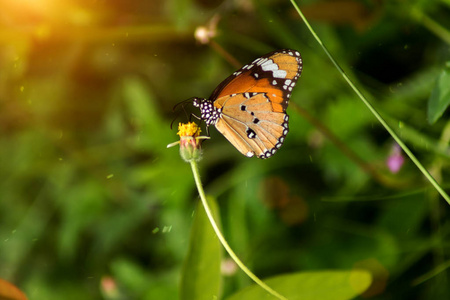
x=197, y=101
x=208, y=112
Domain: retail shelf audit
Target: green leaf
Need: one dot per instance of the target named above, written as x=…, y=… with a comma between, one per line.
x=201, y=278
x=440, y=96
x=320, y=285
x=145, y=115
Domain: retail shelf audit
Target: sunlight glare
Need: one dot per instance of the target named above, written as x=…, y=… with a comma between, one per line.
x=23, y=12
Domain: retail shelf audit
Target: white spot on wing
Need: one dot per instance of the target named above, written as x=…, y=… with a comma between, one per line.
x=279, y=74
x=269, y=65
x=260, y=61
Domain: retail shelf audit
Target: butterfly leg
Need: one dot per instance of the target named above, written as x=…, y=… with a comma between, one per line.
x=201, y=121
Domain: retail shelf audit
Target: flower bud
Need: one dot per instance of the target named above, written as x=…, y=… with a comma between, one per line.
x=190, y=141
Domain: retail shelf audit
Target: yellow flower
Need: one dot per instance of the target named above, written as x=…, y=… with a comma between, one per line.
x=189, y=129
x=190, y=141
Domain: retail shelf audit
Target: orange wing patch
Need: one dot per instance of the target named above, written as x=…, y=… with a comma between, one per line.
x=288, y=63
x=239, y=84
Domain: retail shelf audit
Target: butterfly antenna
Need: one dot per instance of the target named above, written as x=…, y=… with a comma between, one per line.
x=173, y=121
x=182, y=104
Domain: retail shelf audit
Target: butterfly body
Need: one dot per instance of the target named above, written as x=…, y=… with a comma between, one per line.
x=249, y=107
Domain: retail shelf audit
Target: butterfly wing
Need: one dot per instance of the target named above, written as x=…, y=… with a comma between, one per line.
x=275, y=73
x=251, y=125
x=253, y=101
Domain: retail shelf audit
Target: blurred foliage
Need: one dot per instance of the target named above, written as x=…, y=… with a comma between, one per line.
x=93, y=205
x=201, y=277
x=440, y=96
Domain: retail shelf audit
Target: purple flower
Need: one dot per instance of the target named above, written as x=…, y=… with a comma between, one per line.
x=395, y=160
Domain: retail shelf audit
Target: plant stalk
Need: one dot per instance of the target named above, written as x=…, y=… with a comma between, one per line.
x=195, y=171
x=374, y=111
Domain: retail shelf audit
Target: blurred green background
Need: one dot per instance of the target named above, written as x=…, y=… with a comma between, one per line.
x=93, y=205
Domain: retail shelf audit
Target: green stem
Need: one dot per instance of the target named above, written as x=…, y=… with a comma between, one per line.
x=373, y=110
x=427, y=276
x=431, y=25
x=222, y=239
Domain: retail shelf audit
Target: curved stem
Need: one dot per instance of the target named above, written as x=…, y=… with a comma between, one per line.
x=374, y=111
x=430, y=24
x=194, y=167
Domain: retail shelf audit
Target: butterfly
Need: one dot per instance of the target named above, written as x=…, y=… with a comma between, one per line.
x=249, y=107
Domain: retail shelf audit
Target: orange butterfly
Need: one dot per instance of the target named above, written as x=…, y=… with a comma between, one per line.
x=249, y=107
